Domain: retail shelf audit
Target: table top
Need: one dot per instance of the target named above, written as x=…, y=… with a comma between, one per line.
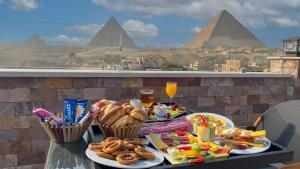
x=72, y=155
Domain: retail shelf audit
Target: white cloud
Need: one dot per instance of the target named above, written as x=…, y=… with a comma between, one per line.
x=138, y=29
x=253, y=13
x=196, y=29
x=285, y=22
x=24, y=5
x=90, y=29
x=65, y=39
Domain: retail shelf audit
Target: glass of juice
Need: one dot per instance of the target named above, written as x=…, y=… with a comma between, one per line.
x=171, y=89
x=147, y=97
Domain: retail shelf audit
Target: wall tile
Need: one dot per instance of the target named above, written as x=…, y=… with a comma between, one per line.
x=248, y=81
x=210, y=81
x=206, y=101
x=58, y=82
x=253, y=99
x=25, y=108
x=153, y=82
x=43, y=95
x=40, y=145
x=69, y=94
x=198, y=91
x=8, y=109
x=248, y=90
x=84, y=82
x=132, y=82
x=19, y=95
x=8, y=160
x=260, y=108
x=94, y=93
x=27, y=158
x=109, y=82
x=216, y=91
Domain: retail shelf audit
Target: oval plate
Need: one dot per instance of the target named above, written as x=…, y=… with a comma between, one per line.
x=230, y=124
x=159, y=158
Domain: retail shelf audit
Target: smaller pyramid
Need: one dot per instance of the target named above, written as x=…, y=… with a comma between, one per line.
x=35, y=41
x=112, y=35
x=226, y=30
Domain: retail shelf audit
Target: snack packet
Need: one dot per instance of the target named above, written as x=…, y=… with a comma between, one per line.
x=70, y=110
x=46, y=116
x=81, y=107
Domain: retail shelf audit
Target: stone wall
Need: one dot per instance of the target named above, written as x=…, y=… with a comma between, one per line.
x=24, y=143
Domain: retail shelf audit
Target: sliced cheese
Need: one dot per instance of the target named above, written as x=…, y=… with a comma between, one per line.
x=261, y=133
x=158, y=142
x=244, y=142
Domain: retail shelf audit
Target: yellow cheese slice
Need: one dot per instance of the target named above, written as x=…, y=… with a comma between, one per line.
x=158, y=142
x=261, y=133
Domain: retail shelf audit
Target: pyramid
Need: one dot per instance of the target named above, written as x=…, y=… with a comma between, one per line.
x=112, y=35
x=35, y=41
x=224, y=29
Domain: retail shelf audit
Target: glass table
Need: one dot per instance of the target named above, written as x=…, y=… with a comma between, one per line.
x=72, y=156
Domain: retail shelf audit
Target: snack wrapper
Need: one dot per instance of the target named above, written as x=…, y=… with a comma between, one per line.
x=81, y=107
x=167, y=126
x=70, y=110
x=46, y=116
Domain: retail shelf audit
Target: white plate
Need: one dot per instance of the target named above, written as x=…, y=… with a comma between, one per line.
x=168, y=157
x=159, y=158
x=230, y=124
x=253, y=150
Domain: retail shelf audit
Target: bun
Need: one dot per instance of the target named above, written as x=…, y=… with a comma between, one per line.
x=138, y=114
x=113, y=115
x=123, y=121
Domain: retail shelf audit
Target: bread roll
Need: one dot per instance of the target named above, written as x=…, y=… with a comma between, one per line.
x=138, y=114
x=113, y=115
x=123, y=121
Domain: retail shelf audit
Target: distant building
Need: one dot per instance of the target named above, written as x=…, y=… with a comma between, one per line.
x=229, y=66
x=151, y=62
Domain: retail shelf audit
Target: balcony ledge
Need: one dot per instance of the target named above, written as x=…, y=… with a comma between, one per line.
x=118, y=73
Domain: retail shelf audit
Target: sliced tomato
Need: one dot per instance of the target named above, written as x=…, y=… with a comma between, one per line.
x=246, y=138
x=200, y=159
x=184, y=148
x=222, y=151
x=205, y=147
x=180, y=132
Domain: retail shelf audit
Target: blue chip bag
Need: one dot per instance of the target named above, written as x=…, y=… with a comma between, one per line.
x=81, y=107
x=70, y=110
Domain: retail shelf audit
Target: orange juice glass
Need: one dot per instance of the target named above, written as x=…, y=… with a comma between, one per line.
x=171, y=89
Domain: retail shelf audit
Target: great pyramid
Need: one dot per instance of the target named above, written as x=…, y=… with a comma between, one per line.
x=224, y=29
x=112, y=35
x=35, y=41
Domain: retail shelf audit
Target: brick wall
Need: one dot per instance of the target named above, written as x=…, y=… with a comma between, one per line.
x=24, y=143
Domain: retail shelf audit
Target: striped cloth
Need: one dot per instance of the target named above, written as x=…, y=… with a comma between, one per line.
x=162, y=127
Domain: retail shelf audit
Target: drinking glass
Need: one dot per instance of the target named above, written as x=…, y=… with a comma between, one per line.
x=147, y=97
x=171, y=88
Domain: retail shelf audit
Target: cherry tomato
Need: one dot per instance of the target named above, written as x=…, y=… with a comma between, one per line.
x=184, y=148
x=222, y=151
x=200, y=159
x=205, y=147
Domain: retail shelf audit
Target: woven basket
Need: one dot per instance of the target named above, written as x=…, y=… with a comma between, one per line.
x=65, y=134
x=131, y=131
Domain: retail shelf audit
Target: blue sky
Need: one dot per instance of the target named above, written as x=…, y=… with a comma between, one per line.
x=153, y=23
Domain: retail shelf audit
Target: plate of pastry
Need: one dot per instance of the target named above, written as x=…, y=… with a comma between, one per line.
x=125, y=153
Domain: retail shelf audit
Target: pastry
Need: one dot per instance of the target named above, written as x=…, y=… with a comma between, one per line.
x=105, y=155
x=144, y=153
x=134, y=141
x=95, y=146
x=138, y=114
x=123, y=121
x=127, y=108
x=127, y=158
x=112, y=115
x=112, y=146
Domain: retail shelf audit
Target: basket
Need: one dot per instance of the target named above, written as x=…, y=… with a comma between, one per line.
x=65, y=134
x=131, y=131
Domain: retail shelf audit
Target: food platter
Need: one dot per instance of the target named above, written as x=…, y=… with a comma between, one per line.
x=253, y=150
x=164, y=112
x=159, y=158
x=229, y=123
